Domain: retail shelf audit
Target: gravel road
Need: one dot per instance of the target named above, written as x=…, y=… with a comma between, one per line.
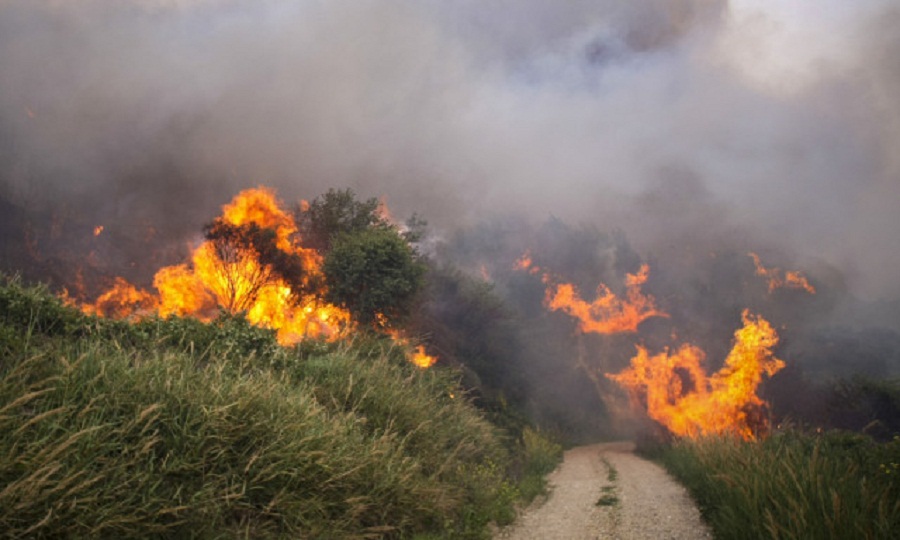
x=639, y=501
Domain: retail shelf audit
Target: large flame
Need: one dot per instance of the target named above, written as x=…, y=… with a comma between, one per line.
x=791, y=279
x=235, y=278
x=236, y=281
x=677, y=393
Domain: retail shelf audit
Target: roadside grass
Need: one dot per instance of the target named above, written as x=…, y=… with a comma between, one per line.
x=793, y=485
x=175, y=428
x=539, y=456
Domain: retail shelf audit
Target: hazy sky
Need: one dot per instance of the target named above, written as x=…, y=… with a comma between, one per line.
x=679, y=121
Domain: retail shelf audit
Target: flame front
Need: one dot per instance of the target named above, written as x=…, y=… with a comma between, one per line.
x=236, y=280
x=422, y=359
x=677, y=393
x=416, y=355
x=792, y=279
x=608, y=313
x=122, y=300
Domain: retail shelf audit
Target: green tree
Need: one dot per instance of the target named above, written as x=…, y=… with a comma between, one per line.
x=373, y=273
x=336, y=212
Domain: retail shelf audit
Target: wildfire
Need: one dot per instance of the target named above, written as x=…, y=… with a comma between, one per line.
x=236, y=278
x=608, y=313
x=122, y=300
x=422, y=359
x=676, y=391
x=526, y=264
x=417, y=354
x=235, y=269
x=791, y=279
x=97, y=230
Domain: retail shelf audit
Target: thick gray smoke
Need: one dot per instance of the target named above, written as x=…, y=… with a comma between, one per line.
x=684, y=123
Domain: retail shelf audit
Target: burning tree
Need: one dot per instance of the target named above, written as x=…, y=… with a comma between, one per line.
x=248, y=260
x=673, y=387
x=254, y=261
x=676, y=391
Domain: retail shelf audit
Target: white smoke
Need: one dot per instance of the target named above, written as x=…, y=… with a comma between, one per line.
x=784, y=119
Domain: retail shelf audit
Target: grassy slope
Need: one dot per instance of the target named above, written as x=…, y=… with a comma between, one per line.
x=176, y=428
x=793, y=485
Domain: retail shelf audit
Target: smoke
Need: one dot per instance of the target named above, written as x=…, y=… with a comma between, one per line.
x=785, y=122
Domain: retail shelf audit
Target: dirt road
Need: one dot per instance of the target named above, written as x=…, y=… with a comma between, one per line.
x=605, y=491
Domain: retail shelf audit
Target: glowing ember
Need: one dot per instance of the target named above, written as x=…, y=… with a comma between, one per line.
x=525, y=264
x=421, y=358
x=791, y=280
x=236, y=277
x=676, y=391
x=607, y=313
x=97, y=230
x=416, y=355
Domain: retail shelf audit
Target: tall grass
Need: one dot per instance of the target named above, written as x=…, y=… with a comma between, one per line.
x=793, y=485
x=174, y=429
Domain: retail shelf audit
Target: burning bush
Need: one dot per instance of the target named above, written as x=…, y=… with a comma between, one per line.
x=254, y=261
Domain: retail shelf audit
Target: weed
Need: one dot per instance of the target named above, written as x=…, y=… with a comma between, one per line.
x=608, y=498
x=792, y=485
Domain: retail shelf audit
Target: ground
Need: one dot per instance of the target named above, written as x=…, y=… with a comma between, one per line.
x=605, y=491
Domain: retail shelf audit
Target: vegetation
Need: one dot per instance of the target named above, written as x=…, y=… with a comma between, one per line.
x=608, y=496
x=793, y=485
x=374, y=274
x=175, y=428
x=336, y=212
x=249, y=259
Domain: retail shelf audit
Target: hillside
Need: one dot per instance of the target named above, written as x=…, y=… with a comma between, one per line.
x=176, y=428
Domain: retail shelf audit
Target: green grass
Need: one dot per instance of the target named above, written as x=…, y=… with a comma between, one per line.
x=174, y=428
x=793, y=485
x=608, y=496
x=539, y=455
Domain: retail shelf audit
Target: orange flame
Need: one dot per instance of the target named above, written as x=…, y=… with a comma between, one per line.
x=385, y=214
x=415, y=355
x=240, y=283
x=791, y=280
x=676, y=391
x=526, y=264
x=97, y=230
x=608, y=313
x=421, y=359
x=123, y=300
